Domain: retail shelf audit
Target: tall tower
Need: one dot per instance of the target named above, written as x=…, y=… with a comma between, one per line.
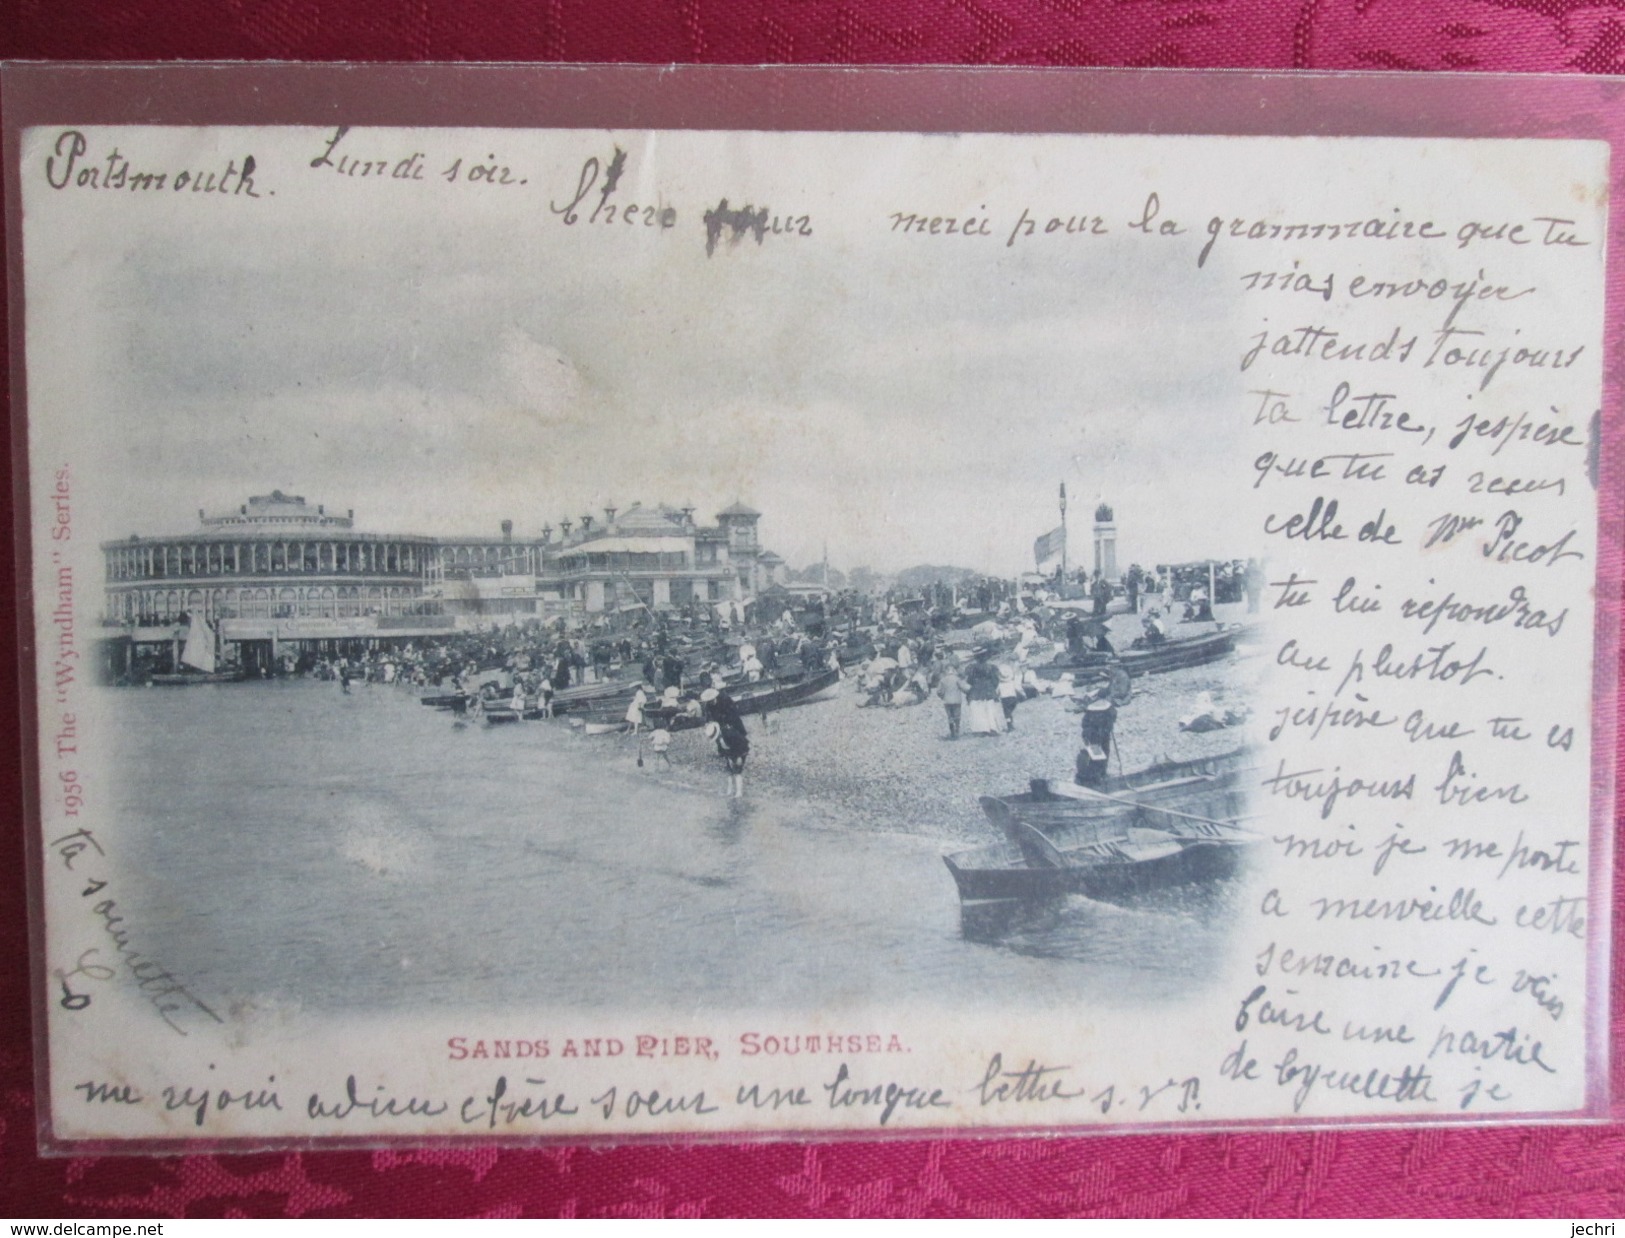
x=739, y=523
x=1105, y=543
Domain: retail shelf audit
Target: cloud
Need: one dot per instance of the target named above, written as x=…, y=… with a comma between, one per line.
x=440, y=381
x=536, y=378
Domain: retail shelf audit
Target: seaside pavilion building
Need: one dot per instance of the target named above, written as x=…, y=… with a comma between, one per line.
x=279, y=578
x=658, y=557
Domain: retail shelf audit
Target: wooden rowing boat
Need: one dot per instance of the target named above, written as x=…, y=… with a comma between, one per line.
x=1169, y=825
x=1171, y=655
x=187, y=679
x=768, y=696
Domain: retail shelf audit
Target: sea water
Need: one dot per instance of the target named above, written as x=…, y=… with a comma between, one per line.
x=285, y=842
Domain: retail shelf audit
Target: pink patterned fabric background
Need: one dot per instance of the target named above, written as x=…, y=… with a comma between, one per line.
x=1568, y=1172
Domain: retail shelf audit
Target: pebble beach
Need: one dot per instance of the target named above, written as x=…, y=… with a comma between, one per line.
x=895, y=769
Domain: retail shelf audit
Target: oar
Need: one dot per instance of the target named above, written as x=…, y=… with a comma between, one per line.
x=1089, y=793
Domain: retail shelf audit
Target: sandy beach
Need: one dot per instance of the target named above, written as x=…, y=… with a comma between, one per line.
x=894, y=769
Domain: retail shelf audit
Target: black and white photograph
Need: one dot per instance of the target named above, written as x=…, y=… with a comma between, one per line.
x=570, y=633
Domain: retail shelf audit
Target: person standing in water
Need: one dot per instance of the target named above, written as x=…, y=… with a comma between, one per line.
x=726, y=729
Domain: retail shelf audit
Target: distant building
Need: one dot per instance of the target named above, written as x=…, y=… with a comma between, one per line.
x=275, y=558
x=278, y=571
x=658, y=557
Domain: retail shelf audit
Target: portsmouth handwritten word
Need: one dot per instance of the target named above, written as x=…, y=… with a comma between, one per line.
x=68, y=165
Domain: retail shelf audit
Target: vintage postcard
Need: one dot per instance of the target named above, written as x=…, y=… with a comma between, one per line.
x=600, y=632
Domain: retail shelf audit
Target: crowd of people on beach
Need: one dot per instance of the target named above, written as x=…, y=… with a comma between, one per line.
x=974, y=646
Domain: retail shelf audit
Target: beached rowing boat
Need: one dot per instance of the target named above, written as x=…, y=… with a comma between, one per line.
x=1170, y=655
x=1169, y=825
x=768, y=696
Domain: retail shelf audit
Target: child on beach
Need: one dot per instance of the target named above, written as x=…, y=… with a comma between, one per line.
x=660, y=743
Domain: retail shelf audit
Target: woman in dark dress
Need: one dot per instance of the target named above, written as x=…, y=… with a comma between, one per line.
x=726, y=728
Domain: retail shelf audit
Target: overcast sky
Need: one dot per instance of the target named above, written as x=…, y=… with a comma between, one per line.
x=900, y=401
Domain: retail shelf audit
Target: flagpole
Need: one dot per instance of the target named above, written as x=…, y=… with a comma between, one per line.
x=1063, y=539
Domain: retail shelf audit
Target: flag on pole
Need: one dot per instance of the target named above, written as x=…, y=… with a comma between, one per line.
x=1050, y=546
